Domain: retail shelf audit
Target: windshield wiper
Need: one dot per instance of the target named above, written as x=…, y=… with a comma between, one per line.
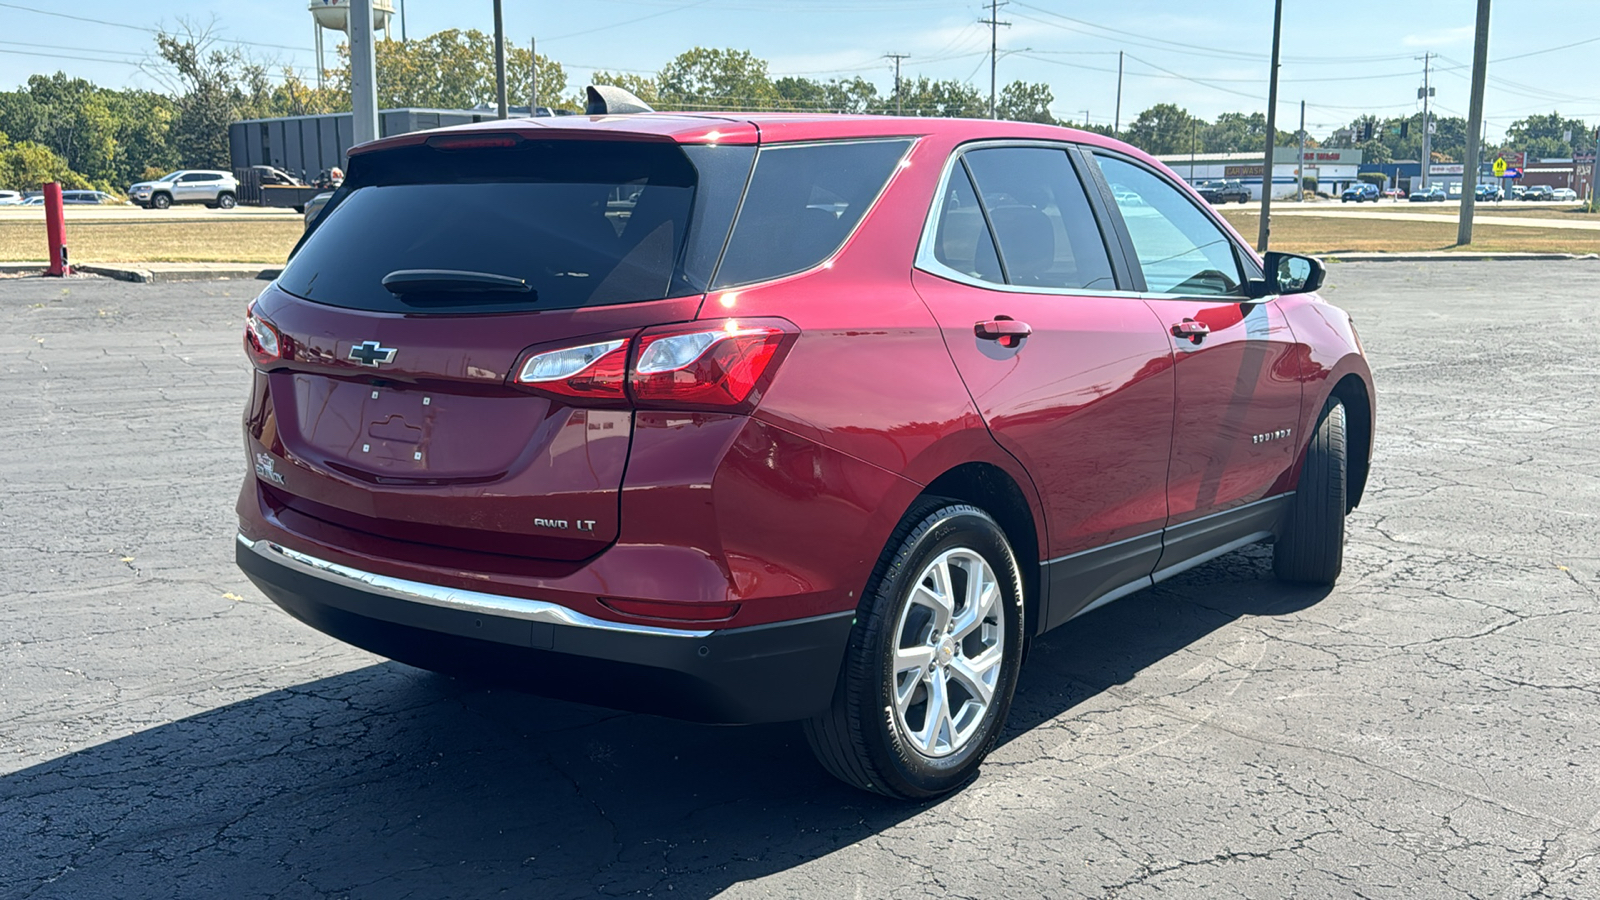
x=436, y=281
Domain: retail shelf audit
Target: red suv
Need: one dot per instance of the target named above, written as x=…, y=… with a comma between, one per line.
x=749, y=418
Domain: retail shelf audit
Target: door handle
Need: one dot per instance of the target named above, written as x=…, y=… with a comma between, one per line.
x=1194, y=331
x=1003, y=329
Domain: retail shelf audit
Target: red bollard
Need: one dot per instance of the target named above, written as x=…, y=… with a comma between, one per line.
x=55, y=228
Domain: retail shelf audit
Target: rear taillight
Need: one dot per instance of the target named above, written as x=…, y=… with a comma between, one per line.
x=591, y=371
x=701, y=365
x=695, y=367
x=260, y=338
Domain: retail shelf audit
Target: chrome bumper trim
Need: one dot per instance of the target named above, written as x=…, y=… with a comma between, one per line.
x=448, y=598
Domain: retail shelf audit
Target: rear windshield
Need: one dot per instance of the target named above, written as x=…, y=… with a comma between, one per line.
x=583, y=223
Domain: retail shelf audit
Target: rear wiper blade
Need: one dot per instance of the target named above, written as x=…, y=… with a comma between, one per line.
x=434, y=281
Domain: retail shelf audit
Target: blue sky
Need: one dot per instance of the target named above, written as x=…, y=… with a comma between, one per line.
x=1343, y=57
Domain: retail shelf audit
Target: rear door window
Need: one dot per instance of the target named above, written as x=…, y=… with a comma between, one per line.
x=803, y=201
x=582, y=223
x=1041, y=218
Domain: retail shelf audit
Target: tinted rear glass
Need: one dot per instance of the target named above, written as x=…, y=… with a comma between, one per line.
x=584, y=223
x=803, y=201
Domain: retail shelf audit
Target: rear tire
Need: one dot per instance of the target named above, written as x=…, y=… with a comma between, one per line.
x=226, y=201
x=1311, y=548
x=933, y=658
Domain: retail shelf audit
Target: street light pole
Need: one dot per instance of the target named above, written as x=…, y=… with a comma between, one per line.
x=1272, y=132
x=1469, y=183
x=499, y=63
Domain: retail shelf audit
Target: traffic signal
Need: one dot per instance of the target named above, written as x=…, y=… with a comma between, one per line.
x=1366, y=131
x=1405, y=128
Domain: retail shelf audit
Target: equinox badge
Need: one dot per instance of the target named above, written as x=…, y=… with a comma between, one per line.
x=371, y=353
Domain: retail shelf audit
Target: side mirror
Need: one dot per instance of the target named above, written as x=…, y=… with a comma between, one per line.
x=1288, y=273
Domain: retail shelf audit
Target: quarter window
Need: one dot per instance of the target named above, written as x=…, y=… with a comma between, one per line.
x=1179, y=248
x=803, y=201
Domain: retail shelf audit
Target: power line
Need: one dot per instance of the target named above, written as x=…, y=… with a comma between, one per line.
x=146, y=30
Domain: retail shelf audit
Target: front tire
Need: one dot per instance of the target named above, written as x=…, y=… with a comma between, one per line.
x=1311, y=548
x=933, y=658
x=161, y=201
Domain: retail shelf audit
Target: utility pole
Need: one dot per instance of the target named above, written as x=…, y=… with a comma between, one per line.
x=1272, y=132
x=363, y=74
x=1480, y=70
x=1425, y=95
x=1194, y=136
x=402, y=21
x=896, y=57
x=499, y=63
x=1300, y=179
x=533, y=90
x=1085, y=118
x=1116, y=121
x=994, y=24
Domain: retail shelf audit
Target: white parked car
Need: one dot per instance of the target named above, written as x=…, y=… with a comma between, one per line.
x=214, y=188
x=1563, y=194
x=10, y=198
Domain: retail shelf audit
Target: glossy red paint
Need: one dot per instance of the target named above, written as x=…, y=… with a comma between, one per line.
x=780, y=511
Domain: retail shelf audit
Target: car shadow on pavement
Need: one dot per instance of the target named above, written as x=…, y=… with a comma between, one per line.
x=387, y=781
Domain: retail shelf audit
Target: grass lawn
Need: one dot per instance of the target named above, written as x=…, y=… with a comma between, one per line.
x=242, y=240
x=1331, y=234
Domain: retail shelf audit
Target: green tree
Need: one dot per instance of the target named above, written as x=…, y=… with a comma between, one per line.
x=704, y=78
x=452, y=69
x=1237, y=132
x=948, y=99
x=1023, y=101
x=215, y=87
x=27, y=165
x=1164, y=128
x=1545, y=137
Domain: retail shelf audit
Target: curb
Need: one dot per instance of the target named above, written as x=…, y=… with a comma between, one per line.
x=156, y=273
x=164, y=275
x=1448, y=256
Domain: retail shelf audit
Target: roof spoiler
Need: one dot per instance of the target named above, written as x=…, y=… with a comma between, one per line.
x=610, y=100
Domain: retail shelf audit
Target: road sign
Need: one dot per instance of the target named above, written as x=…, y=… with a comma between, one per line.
x=1513, y=173
x=1499, y=168
x=1515, y=159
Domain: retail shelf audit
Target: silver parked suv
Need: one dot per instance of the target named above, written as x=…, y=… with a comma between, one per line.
x=211, y=187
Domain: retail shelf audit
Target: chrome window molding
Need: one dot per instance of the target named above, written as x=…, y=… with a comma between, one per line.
x=449, y=598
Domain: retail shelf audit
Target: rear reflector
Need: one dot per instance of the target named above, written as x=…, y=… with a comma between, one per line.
x=672, y=612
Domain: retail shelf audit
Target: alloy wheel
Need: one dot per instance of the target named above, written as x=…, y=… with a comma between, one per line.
x=949, y=644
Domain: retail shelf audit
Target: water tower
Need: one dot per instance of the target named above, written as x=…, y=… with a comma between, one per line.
x=334, y=15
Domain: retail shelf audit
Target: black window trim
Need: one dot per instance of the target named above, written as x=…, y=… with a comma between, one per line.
x=911, y=141
x=927, y=259
x=1243, y=258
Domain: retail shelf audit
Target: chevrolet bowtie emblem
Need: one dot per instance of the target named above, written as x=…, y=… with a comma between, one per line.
x=371, y=353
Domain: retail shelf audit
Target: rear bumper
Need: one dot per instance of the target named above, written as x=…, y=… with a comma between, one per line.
x=765, y=673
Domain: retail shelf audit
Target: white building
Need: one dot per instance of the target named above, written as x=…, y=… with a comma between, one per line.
x=1334, y=170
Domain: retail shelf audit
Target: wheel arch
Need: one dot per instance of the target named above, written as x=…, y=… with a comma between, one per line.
x=992, y=489
x=1352, y=392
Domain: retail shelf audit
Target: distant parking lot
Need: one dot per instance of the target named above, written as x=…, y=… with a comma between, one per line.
x=1429, y=728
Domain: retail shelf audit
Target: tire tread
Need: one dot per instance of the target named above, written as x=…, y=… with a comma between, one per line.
x=1311, y=549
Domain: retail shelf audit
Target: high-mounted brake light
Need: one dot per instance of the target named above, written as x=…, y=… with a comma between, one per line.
x=260, y=338
x=473, y=141
x=592, y=371
x=699, y=367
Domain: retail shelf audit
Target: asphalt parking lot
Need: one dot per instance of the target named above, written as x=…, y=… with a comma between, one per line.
x=1429, y=728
